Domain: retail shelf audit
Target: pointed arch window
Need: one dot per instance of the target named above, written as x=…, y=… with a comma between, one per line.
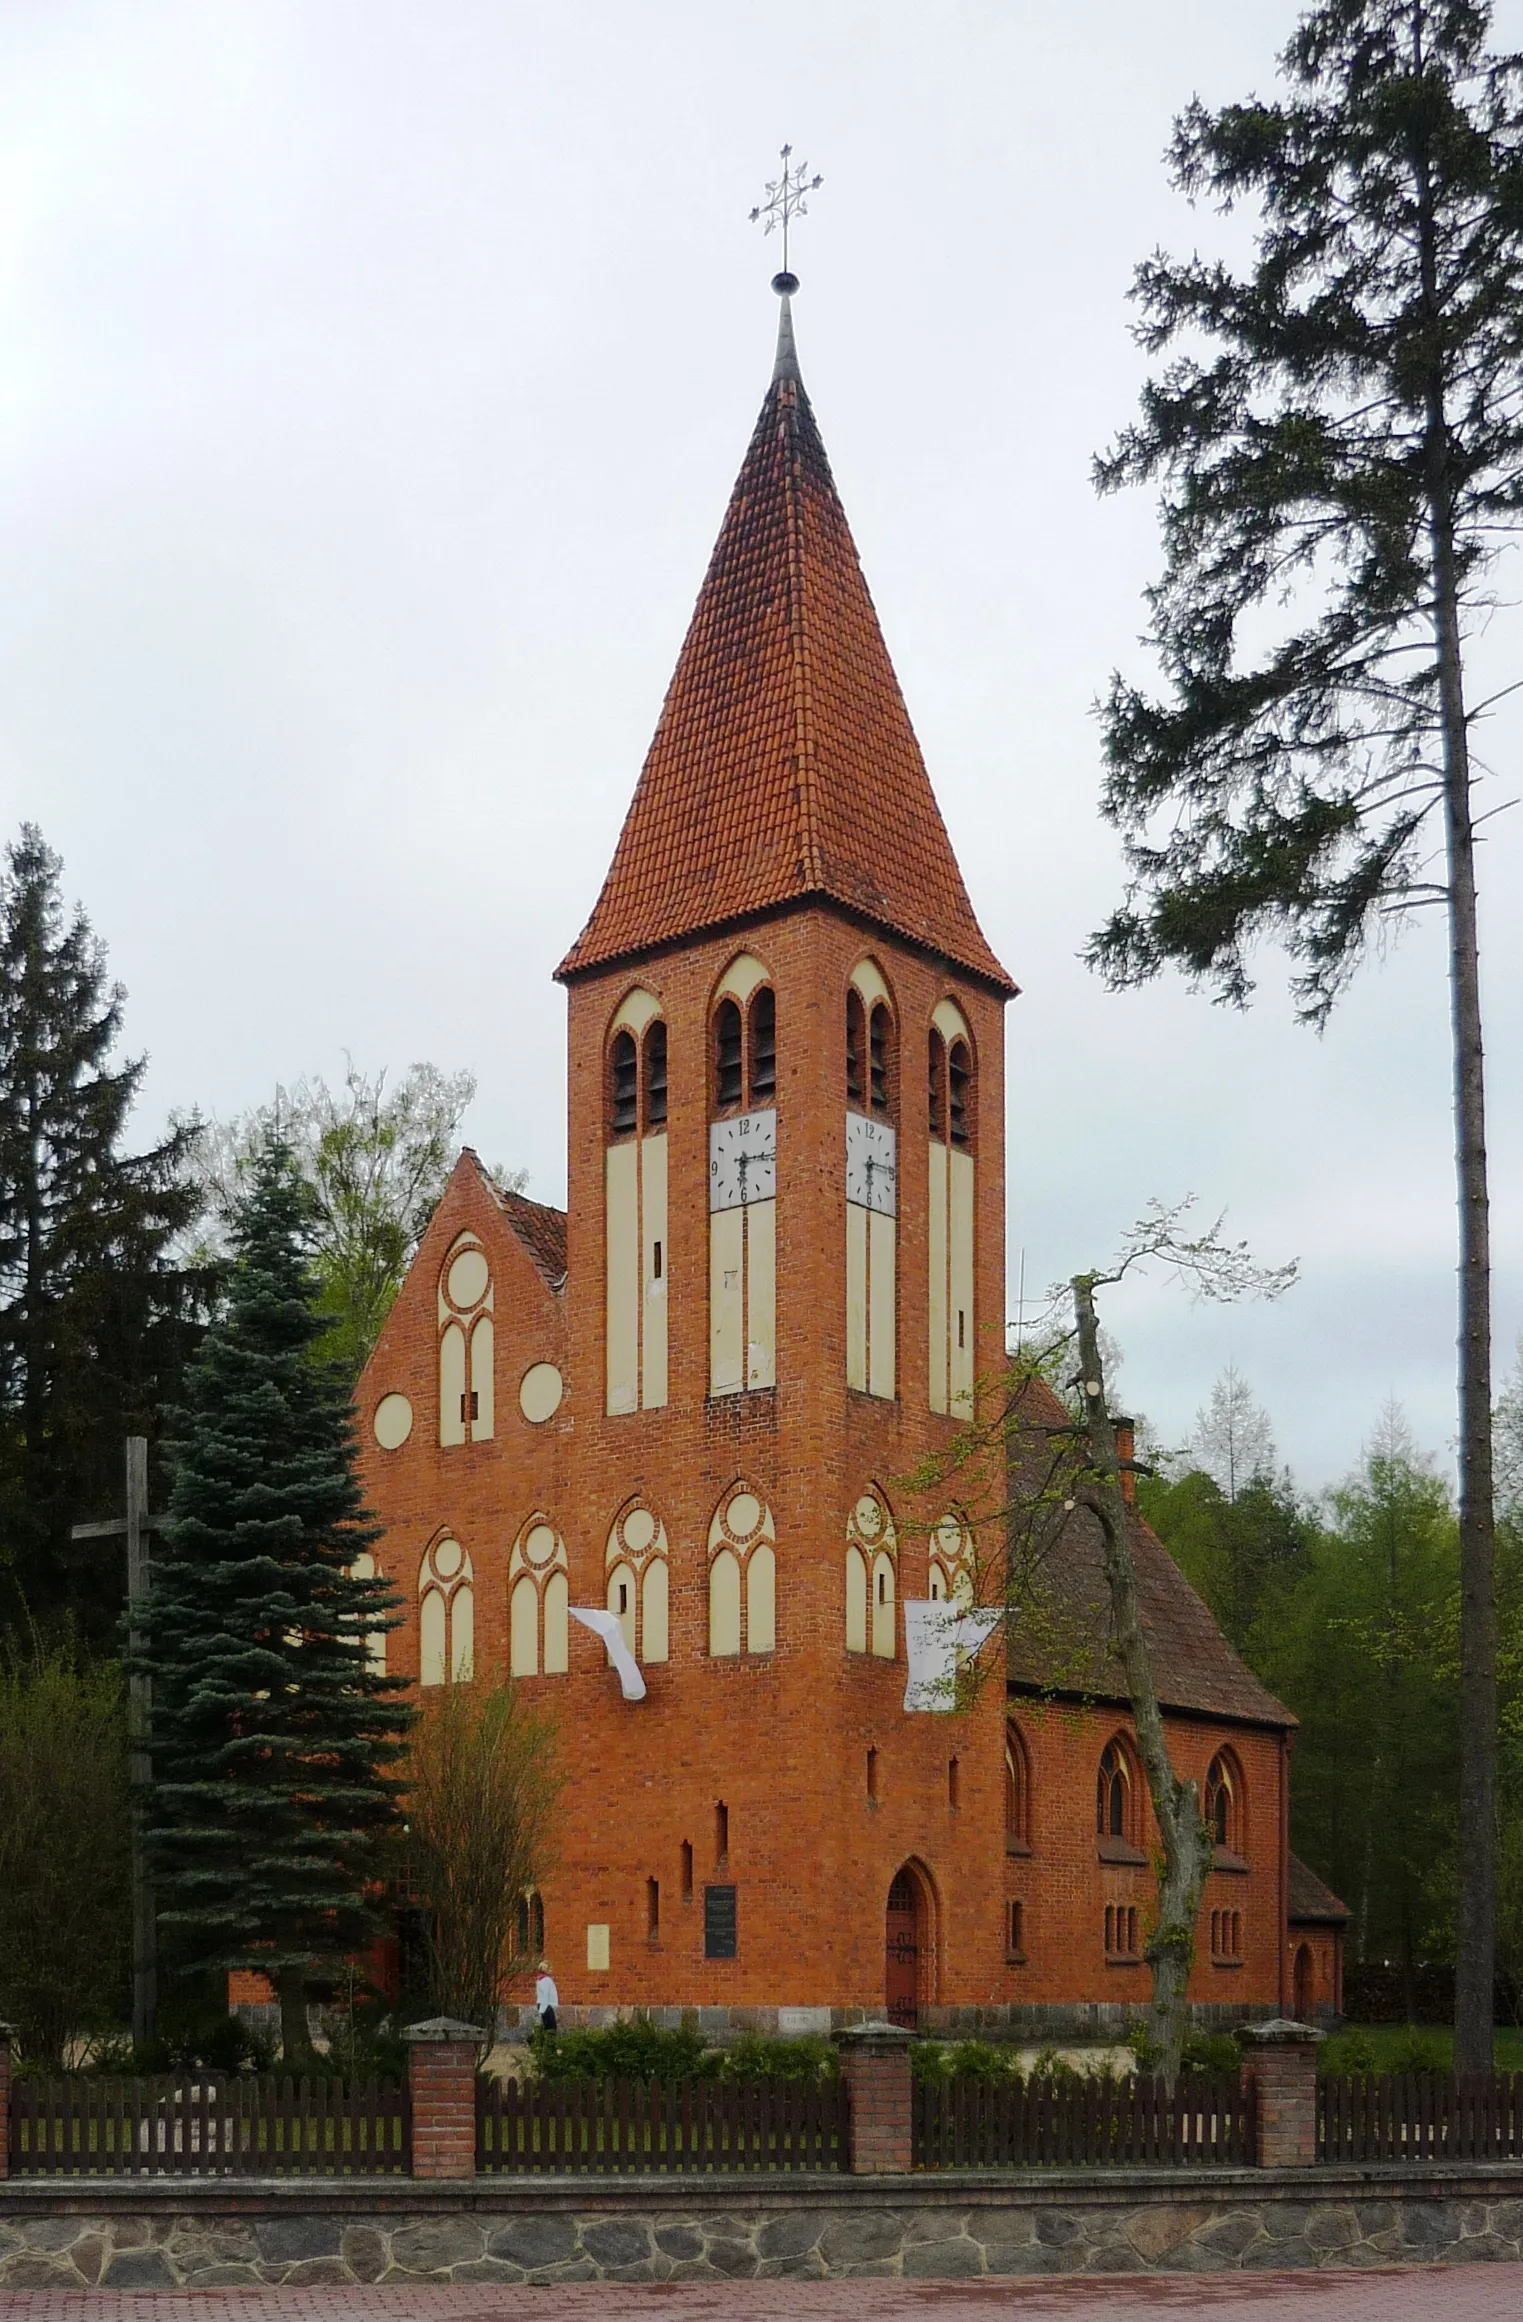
x=1224, y=1806
x=952, y=1218
x=1118, y=1802
x=743, y=1180
x=872, y=1186
x=539, y=1594
x=530, y=1929
x=872, y=1579
x=952, y=1575
x=467, y=1367
x=742, y=1576
x=637, y=1565
x=635, y=1220
x=1017, y=1791
x=446, y=1614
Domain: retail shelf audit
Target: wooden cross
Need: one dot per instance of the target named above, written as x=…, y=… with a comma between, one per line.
x=135, y=1527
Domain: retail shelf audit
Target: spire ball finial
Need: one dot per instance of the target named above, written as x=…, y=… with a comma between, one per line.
x=785, y=284
x=785, y=201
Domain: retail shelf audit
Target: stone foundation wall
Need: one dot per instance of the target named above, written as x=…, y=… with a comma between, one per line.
x=1102, y=2022
x=127, y=2235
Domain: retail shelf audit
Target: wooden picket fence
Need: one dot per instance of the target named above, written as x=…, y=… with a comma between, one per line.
x=203, y=2126
x=1081, y=2122
x=1421, y=2116
x=579, y=2127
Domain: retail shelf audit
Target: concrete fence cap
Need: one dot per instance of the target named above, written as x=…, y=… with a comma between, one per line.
x=1279, y=2032
x=444, y=2028
x=875, y=2035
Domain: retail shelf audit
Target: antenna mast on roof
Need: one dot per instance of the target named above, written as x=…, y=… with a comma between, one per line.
x=785, y=201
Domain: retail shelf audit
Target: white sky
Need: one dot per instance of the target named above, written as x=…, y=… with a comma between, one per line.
x=373, y=380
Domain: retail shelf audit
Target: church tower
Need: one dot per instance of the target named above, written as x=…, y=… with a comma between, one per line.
x=786, y=1251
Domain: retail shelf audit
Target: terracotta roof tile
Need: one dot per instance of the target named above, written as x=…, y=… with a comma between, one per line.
x=541, y=1229
x=784, y=764
x=1194, y=1667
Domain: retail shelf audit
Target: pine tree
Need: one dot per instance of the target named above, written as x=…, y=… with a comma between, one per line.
x=1340, y=437
x=95, y=1318
x=274, y=1736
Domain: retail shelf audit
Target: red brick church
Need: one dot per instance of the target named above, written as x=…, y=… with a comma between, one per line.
x=691, y=1399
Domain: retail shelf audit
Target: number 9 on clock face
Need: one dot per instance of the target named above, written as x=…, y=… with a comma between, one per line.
x=743, y=1160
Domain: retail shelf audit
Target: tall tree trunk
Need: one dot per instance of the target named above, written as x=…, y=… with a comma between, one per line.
x=295, y=2037
x=1188, y=1851
x=1475, y=1958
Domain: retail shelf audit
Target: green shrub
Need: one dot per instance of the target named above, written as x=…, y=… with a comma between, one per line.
x=1419, y=2052
x=633, y=2051
x=755, y=2057
x=1211, y=2052
x=1346, y=2054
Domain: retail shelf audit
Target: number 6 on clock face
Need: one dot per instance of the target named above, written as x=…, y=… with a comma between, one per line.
x=743, y=1160
x=871, y=1165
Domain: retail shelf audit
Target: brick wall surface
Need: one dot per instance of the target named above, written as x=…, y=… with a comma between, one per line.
x=442, y=2085
x=1285, y=2084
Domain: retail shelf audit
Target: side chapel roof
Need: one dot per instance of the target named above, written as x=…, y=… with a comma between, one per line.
x=1194, y=1667
x=1311, y=1904
x=784, y=765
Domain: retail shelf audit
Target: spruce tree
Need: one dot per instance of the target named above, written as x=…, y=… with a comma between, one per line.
x=96, y=1319
x=275, y=1738
x=1339, y=433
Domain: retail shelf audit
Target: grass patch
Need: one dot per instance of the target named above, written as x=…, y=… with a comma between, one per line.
x=1363, y=2048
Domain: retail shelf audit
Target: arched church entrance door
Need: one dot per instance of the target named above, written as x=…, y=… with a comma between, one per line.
x=1302, y=2000
x=902, y=1929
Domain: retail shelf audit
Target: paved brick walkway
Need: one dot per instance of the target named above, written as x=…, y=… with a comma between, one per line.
x=1473, y=2293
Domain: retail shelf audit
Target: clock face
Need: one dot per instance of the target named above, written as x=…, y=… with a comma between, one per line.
x=872, y=1157
x=743, y=1160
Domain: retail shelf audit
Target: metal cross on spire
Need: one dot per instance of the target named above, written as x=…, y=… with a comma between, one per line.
x=785, y=198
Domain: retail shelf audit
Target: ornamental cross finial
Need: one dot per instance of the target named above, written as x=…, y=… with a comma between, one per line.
x=785, y=198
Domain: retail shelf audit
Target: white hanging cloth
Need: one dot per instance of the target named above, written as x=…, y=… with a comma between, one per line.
x=610, y=1628
x=937, y=1635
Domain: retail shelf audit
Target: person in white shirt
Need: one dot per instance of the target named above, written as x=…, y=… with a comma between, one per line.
x=546, y=1998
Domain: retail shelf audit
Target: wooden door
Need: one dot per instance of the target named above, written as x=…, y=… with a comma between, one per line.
x=902, y=1966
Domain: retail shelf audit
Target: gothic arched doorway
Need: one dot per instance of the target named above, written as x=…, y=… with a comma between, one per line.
x=909, y=1946
x=1302, y=2002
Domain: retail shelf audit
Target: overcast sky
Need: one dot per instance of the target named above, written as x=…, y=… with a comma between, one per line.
x=373, y=380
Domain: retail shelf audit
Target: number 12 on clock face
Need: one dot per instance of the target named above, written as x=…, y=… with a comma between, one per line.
x=743, y=1160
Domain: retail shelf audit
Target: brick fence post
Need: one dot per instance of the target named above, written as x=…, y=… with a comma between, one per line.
x=1280, y=2070
x=441, y=2081
x=7, y=2035
x=875, y=2064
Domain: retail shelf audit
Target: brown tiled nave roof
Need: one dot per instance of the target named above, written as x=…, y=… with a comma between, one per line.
x=784, y=764
x=1194, y=1667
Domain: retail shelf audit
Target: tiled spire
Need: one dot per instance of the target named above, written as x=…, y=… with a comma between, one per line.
x=785, y=765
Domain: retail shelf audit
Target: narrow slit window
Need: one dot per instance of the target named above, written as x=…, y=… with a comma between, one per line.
x=1016, y=1941
x=878, y=1047
x=937, y=1093
x=655, y=1076
x=623, y=1064
x=727, y=1054
x=687, y=1870
x=721, y=1833
x=855, y=1044
x=655, y=1263
x=652, y=1910
x=763, y=1027
x=954, y=1783
x=872, y=1773
x=960, y=1093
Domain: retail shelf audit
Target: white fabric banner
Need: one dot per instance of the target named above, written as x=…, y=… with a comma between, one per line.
x=608, y=1626
x=936, y=1637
